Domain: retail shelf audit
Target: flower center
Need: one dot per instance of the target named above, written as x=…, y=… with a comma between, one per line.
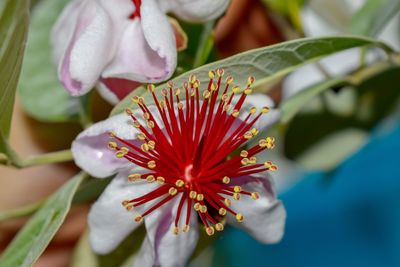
x=190, y=148
x=136, y=13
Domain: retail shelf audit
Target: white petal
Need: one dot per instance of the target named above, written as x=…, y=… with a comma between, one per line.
x=164, y=248
x=264, y=219
x=195, y=10
x=89, y=48
x=108, y=220
x=147, y=51
x=90, y=149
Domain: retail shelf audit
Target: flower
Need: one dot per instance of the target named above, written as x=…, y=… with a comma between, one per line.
x=117, y=45
x=180, y=164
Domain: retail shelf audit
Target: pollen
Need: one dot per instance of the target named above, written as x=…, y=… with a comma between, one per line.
x=192, y=144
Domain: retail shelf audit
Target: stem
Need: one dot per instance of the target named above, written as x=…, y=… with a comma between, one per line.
x=48, y=158
x=206, y=44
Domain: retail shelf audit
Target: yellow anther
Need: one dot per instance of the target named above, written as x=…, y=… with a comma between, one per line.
x=135, y=99
x=255, y=195
x=180, y=106
x=150, y=87
x=206, y=94
x=262, y=143
x=222, y=211
x=245, y=161
x=164, y=92
x=172, y=191
x=192, y=194
x=219, y=227
x=150, y=124
x=203, y=209
x=211, y=74
x=253, y=110
x=150, y=178
x=226, y=180
x=244, y=153
x=192, y=78
x=179, y=183
x=210, y=230
x=151, y=144
x=253, y=160
x=177, y=91
x=186, y=228
x=236, y=89
x=136, y=124
x=236, y=196
x=134, y=177
x=144, y=147
x=128, y=111
x=270, y=142
x=200, y=197
x=213, y=87
x=239, y=217
x=112, y=134
x=220, y=72
x=224, y=97
x=235, y=113
x=125, y=203
x=265, y=110
x=146, y=115
x=237, y=189
x=254, y=131
x=227, y=202
x=112, y=145
x=122, y=152
x=270, y=166
x=196, y=84
x=175, y=230
x=247, y=135
x=170, y=83
x=247, y=91
x=162, y=104
x=229, y=80
x=151, y=164
x=160, y=180
x=138, y=218
x=197, y=206
x=141, y=136
x=129, y=207
x=250, y=80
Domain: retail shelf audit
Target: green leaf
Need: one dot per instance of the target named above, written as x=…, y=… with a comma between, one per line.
x=31, y=241
x=292, y=105
x=371, y=19
x=14, y=15
x=42, y=95
x=265, y=64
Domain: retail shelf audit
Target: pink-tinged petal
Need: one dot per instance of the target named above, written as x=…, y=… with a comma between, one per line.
x=195, y=10
x=116, y=89
x=264, y=218
x=90, y=149
x=109, y=222
x=163, y=247
x=147, y=50
x=89, y=48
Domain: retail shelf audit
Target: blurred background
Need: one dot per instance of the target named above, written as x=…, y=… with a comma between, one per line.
x=339, y=174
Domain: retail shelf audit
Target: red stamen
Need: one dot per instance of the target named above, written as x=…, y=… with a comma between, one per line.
x=188, y=149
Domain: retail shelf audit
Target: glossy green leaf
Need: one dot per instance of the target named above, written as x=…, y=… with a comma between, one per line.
x=14, y=15
x=371, y=19
x=265, y=64
x=34, y=237
x=292, y=105
x=42, y=95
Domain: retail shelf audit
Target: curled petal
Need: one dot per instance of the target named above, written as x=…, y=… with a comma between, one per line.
x=147, y=50
x=115, y=89
x=108, y=220
x=86, y=49
x=264, y=217
x=195, y=10
x=162, y=247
